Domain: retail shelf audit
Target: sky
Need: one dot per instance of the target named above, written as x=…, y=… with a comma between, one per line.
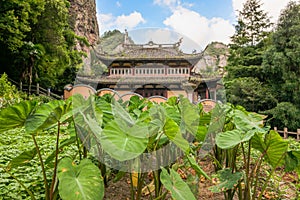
x=198, y=22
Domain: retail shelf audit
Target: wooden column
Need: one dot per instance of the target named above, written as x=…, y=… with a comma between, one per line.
x=298, y=134
x=206, y=93
x=37, y=88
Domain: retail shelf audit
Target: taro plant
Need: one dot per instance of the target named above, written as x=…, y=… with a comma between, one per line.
x=138, y=137
x=141, y=137
x=242, y=134
x=35, y=118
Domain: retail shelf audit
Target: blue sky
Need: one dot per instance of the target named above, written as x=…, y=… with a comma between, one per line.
x=202, y=21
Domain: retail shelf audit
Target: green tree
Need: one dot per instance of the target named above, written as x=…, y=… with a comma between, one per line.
x=282, y=64
x=282, y=60
x=244, y=80
x=38, y=43
x=250, y=93
x=16, y=19
x=53, y=32
x=252, y=26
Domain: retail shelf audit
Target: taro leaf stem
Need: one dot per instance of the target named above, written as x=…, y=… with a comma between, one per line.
x=52, y=189
x=43, y=167
x=269, y=177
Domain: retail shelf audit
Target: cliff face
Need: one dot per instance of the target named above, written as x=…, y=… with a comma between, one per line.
x=214, y=59
x=83, y=19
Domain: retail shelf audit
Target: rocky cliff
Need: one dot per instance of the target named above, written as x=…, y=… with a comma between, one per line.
x=83, y=19
x=214, y=59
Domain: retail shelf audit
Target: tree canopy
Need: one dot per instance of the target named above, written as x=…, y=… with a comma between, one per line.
x=264, y=67
x=282, y=64
x=244, y=80
x=37, y=42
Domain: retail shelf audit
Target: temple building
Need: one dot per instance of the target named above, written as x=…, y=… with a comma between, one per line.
x=153, y=70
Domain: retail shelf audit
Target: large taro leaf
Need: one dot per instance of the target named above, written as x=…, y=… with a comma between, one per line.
x=215, y=120
x=273, y=146
x=247, y=122
x=178, y=188
x=292, y=162
x=190, y=117
x=88, y=130
x=75, y=104
x=79, y=182
x=23, y=159
x=196, y=167
x=228, y=180
x=158, y=112
x=229, y=139
x=88, y=120
x=106, y=108
x=120, y=114
x=157, y=115
x=173, y=113
x=124, y=142
x=172, y=131
x=45, y=116
x=16, y=115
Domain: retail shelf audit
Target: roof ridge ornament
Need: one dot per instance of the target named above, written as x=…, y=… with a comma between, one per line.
x=177, y=44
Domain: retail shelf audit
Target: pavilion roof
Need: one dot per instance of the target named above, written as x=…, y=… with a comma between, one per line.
x=150, y=52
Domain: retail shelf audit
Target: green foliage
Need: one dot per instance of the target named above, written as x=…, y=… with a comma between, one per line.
x=8, y=92
x=245, y=79
x=285, y=114
x=252, y=25
x=111, y=39
x=243, y=134
x=124, y=131
x=196, y=167
x=46, y=116
x=22, y=159
x=17, y=17
x=273, y=146
x=263, y=75
x=215, y=49
x=123, y=142
x=227, y=180
x=250, y=93
x=16, y=115
x=38, y=47
x=16, y=149
x=281, y=63
x=178, y=188
x=82, y=182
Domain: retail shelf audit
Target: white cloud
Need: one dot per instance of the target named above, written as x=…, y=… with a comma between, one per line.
x=273, y=7
x=199, y=28
x=129, y=21
x=108, y=21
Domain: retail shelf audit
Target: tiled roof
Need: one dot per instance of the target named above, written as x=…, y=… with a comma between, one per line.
x=150, y=50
